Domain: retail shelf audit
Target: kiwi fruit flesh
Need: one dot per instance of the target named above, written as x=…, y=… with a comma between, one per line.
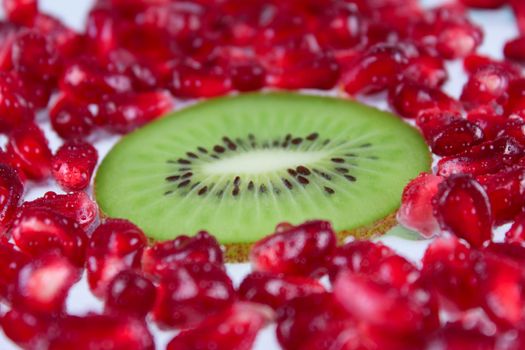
x=236, y=166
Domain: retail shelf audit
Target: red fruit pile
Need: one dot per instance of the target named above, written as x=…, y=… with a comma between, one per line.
x=124, y=70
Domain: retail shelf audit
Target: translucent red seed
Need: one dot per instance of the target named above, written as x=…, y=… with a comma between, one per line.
x=20, y=11
x=71, y=119
x=73, y=165
x=130, y=293
x=11, y=191
x=488, y=85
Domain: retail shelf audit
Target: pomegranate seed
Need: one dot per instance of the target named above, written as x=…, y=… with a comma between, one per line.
x=130, y=293
x=484, y=4
x=71, y=119
x=485, y=86
x=8, y=32
x=516, y=233
x=73, y=165
x=514, y=128
x=43, y=284
x=375, y=70
x=125, y=112
x=506, y=192
x=248, y=77
x=24, y=327
x=432, y=121
x=235, y=328
x=474, y=62
x=302, y=250
x=11, y=191
x=37, y=92
x=64, y=39
x=41, y=230
x=510, y=252
x=462, y=208
x=519, y=12
x=458, y=40
x=165, y=256
x=101, y=30
x=195, y=82
x=144, y=75
x=456, y=337
x=29, y=148
x=275, y=290
x=212, y=292
x=378, y=304
x=515, y=49
x=448, y=266
x=487, y=120
x=15, y=109
x=456, y=137
x=100, y=332
x=515, y=105
x=485, y=158
x=304, y=319
x=357, y=256
x=12, y=261
x=115, y=245
x=20, y=11
x=89, y=82
x=428, y=71
x=33, y=55
x=409, y=99
x=76, y=206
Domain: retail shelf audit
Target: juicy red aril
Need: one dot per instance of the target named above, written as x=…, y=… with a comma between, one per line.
x=29, y=148
x=484, y=4
x=357, y=256
x=235, y=328
x=409, y=99
x=301, y=250
x=126, y=112
x=76, y=206
x=485, y=158
x=115, y=245
x=20, y=11
x=144, y=75
x=99, y=332
x=462, y=208
x=275, y=290
x=303, y=319
x=515, y=105
x=456, y=337
x=432, y=121
x=485, y=86
x=101, y=30
x=448, y=267
x=71, y=119
x=165, y=256
x=64, y=39
x=15, y=109
x=194, y=82
x=425, y=70
x=11, y=191
x=43, y=284
x=24, y=327
x=89, y=82
x=519, y=12
x=375, y=70
x=506, y=192
x=73, y=165
x=248, y=77
x=41, y=230
x=212, y=291
x=33, y=55
x=515, y=49
x=516, y=233
x=130, y=293
x=474, y=62
x=458, y=40
x=515, y=128
x=12, y=261
x=456, y=137
x=377, y=303
x=487, y=120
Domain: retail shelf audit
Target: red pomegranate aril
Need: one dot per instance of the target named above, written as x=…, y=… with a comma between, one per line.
x=20, y=11
x=458, y=40
x=41, y=230
x=462, y=208
x=488, y=120
x=64, y=39
x=378, y=303
x=11, y=191
x=516, y=233
x=126, y=112
x=15, y=109
x=24, y=327
x=515, y=105
x=357, y=256
x=484, y=4
x=43, y=284
x=12, y=261
x=485, y=158
x=515, y=49
x=515, y=128
x=456, y=137
x=130, y=293
x=485, y=86
x=410, y=99
x=425, y=70
x=8, y=32
x=101, y=30
x=235, y=329
x=163, y=257
x=432, y=121
x=474, y=62
x=301, y=250
x=29, y=148
x=212, y=292
x=512, y=252
x=188, y=81
x=76, y=206
x=519, y=11
x=73, y=165
x=506, y=192
x=376, y=70
x=89, y=82
x=248, y=77
x=145, y=75
x=33, y=55
x=115, y=245
x=71, y=119
x=456, y=337
x=99, y=332
x=275, y=290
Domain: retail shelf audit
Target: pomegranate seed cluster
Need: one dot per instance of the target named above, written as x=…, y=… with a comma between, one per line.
x=135, y=56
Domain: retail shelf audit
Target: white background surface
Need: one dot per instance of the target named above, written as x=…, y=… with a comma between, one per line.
x=499, y=26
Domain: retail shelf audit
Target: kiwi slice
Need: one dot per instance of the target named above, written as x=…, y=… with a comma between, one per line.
x=236, y=166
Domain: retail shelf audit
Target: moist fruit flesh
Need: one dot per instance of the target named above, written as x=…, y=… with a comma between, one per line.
x=237, y=166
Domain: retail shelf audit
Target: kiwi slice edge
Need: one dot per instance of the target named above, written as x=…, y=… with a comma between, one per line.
x=312, y=119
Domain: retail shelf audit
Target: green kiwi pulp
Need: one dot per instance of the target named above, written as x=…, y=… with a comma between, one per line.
x=236, y=166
